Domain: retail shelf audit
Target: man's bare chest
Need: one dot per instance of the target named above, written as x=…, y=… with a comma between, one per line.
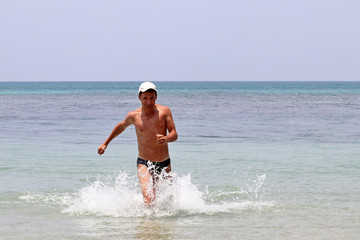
x=149, y=124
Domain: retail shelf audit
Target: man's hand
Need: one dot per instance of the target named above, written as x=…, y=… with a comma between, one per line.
x=161, y=139
x=101, y=149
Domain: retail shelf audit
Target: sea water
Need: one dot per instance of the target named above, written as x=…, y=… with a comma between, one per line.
x=254, y=160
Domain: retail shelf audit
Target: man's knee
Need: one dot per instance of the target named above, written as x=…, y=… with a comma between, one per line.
x=149, y=195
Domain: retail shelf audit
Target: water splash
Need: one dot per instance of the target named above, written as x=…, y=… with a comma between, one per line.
x=255, y=185
x=120, y=196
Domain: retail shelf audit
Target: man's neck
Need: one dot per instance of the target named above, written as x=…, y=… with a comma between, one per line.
x=148, y=111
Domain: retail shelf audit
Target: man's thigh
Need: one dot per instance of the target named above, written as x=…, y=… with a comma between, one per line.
x=146, y=183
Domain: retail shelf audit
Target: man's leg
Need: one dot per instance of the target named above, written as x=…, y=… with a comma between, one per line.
x=146, y=184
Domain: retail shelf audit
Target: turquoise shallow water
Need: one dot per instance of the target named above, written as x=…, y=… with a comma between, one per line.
x=272, y=160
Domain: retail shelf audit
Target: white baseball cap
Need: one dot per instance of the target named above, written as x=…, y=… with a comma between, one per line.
x=146, y=86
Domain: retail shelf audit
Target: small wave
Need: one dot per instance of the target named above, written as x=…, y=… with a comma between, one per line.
x=48, y=200
x=5, y=168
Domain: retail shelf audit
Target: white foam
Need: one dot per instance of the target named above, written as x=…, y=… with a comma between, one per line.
x=121, y=197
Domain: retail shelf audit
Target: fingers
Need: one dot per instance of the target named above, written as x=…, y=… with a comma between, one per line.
x=161, y=139
x=101, y=149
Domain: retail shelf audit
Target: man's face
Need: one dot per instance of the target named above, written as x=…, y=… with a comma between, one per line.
x=148, y=99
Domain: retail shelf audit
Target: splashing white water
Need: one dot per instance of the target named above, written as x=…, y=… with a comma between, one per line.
x=175, y=196
x=256, y=184
x=120, y=196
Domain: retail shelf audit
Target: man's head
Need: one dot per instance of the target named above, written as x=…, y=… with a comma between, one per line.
x=147, y=87
x=147, y=94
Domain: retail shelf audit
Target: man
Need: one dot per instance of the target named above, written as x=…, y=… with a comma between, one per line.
x=152, y=122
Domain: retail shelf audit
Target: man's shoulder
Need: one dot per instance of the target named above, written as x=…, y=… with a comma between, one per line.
x=162, y=108
x=133, y=114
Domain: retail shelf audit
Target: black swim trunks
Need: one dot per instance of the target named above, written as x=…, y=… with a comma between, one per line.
x=154, y=167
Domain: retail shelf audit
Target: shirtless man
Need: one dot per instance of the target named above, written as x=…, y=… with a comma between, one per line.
x=152, y=122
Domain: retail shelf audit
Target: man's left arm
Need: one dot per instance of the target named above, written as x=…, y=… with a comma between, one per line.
x=172, y=136
x=170, y=125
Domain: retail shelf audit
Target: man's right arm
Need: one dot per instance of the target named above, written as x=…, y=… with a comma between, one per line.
x=118, y=129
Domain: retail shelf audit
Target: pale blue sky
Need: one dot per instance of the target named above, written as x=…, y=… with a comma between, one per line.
x=138, y=40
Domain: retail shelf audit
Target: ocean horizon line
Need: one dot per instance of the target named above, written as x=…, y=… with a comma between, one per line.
x=196, y=81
